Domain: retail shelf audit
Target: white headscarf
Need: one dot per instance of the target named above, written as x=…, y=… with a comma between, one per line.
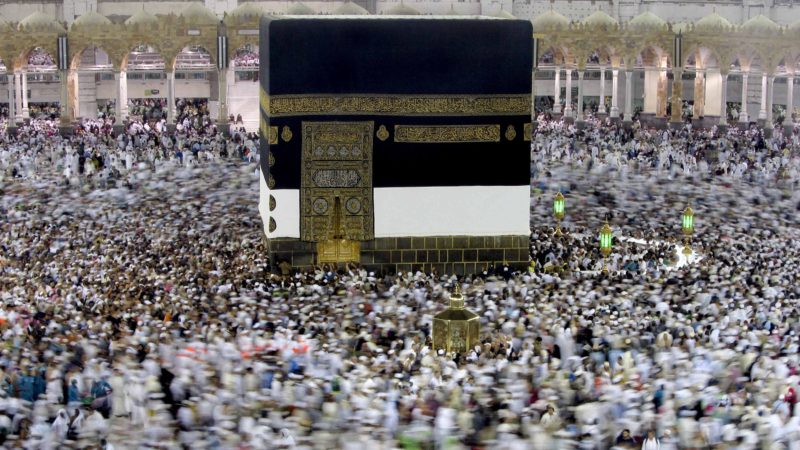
x=77, y=424
x=61, y=424
x=286, y=439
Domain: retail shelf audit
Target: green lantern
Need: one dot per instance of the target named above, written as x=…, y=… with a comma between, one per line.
x=606, y=243
x=558, y=211
x=687, y=225
x=606, y=239
x=688, y=221
x=558, y=206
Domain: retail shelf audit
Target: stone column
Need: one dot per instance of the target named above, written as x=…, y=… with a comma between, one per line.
x=601, y=108
x=614, y=90
x=699, y=94
x=123, y=95
x=677, y=93
x=11, y=109
x=568, y=112
x=580, y=96
x=770, y=86
x=628, y=95
x=743, y=116
x=222, y=118
x=171, y=96
x=26, y=112
x=723, y=98
x=17, y=97
x=73, y=104
x=661, y=98
x=64, y=98
x=650, y=91
x=787, y=121
x=118, y=99
x=557, y=94
x=762, y=113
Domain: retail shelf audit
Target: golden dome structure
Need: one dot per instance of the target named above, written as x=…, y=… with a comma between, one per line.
x=550, y=20
x=141, y=18
x=403, y=10
x=350, y=9
x=712, y=23
x=40, y=22
x=300, y=9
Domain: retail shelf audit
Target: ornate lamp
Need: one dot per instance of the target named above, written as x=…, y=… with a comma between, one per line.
x=456, y=329
x=606, y=242
x=558, y=212
x=687, y=224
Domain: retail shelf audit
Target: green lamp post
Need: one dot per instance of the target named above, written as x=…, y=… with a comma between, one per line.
x=606, y=242
x=687, y=225
x=558, y=212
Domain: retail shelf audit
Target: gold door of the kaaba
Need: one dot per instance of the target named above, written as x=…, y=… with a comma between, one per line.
x=336, y=188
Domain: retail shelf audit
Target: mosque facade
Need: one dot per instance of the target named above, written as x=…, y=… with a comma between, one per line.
x=608, y=58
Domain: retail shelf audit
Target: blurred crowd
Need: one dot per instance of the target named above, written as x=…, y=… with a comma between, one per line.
x=188, y=112
x=245, y=57
x=146, y=109
x=144, y=313
x=44, y=111
x=734, y=154
x=39, y=57
x=94, y=156
x=192, y=113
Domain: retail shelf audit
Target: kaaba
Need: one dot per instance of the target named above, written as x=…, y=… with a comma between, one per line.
x=398, y=143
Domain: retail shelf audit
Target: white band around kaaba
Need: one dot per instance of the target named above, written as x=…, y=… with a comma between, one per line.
x=286, y=213
x=420, y=211
x=452, y=210
x=263, y=203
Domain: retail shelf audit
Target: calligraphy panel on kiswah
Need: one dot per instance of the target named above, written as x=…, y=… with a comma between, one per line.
x=446, y=133
x=336, y=164
x=427, y=105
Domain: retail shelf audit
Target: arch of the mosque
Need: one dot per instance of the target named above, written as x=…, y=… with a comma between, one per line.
x=138, y=59
x=597, y=59
x=713, y=52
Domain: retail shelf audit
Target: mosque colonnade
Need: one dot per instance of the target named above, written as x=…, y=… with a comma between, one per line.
x=619, y=69
x=721, y=66
x=147, y=57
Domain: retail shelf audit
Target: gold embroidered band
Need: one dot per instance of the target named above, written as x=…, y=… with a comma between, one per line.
x=446, y=133
x=287, y=105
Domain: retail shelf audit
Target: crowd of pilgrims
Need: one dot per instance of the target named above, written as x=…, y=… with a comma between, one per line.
x=189, y=112
x=95, y=155
x=40, y=58
x=737, y=153
x=246, y=57
x=138, y=307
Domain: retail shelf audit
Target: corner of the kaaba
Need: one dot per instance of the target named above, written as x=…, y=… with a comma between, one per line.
x=383, y=147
